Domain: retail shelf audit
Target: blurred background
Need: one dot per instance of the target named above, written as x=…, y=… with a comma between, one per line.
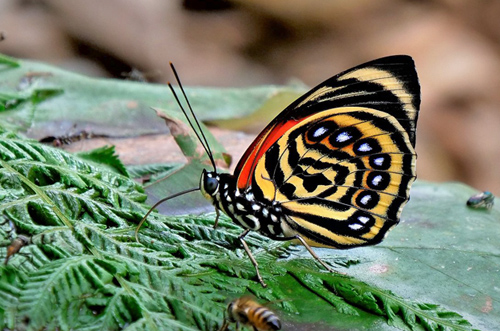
x=236, y=43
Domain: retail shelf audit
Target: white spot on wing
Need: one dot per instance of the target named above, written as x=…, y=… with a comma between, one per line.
x=355, y=226
x=319, y=132
x=379, y=161
x=343, y=136
x=363, y=219
x=376, y=180
x=365, y=147
x=366, y=199
x=255, y=207
x=239, y=206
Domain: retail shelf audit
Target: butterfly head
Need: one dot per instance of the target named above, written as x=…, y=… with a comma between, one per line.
x=209, y=184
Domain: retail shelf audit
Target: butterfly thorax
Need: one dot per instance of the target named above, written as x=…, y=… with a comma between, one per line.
x=241, y=205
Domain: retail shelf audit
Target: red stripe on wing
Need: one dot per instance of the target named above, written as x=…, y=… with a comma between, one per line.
x=246, y=165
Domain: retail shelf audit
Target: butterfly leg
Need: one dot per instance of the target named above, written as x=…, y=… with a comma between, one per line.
x=310, y=250
x=254, y=262
x=217, y=214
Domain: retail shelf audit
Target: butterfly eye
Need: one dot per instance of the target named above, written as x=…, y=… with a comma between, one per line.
x=210, y=184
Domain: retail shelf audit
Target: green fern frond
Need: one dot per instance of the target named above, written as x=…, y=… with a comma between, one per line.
x=52, y=287
x=107, y=157
x=83, y=269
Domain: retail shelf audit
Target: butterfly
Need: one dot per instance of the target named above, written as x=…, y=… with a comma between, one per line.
x=333, y=169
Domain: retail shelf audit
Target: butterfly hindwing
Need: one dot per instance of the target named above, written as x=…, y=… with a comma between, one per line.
x=340, y=176
x=340, y=160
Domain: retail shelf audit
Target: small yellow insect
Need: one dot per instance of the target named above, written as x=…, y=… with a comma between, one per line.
x=248, y=312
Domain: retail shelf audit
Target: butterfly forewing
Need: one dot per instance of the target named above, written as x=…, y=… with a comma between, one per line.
x=388, y=84
x=340, y=160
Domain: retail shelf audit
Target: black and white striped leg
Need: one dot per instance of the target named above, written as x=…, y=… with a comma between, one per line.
x=254, y=262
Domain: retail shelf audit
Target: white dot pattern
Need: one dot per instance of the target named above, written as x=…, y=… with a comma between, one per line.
x=364, y=147
x=343, y=136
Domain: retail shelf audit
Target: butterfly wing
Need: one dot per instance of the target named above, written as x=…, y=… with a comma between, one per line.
x=340, y=160
x=389, y=84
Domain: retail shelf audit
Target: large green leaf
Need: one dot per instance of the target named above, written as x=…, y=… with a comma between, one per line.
x=46, y=101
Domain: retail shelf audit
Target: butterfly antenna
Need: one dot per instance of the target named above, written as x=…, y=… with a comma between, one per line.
x=209, y=153
x=156, y=205
x=204, y=142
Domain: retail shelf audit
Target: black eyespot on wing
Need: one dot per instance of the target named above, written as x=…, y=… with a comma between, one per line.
x=378, y=180
x=380, y=161
x=321, y=130
x=367, y=199
x=344, y=137
x=367, y=146
x=360, y=222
